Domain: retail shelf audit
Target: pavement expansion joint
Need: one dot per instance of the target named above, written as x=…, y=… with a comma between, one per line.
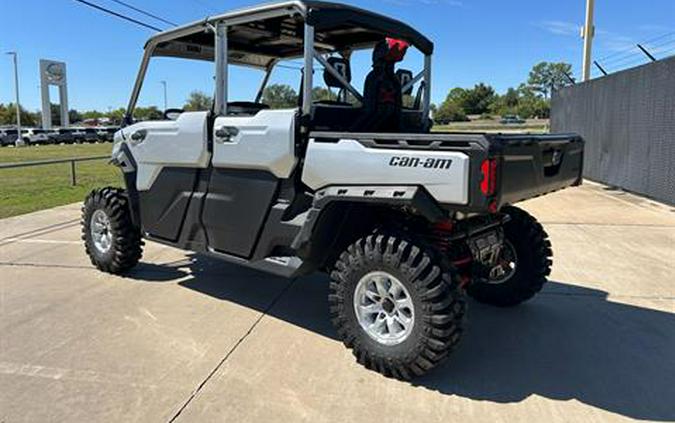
x=208, y=377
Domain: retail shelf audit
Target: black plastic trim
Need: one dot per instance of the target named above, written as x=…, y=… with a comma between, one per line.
x=417, y=198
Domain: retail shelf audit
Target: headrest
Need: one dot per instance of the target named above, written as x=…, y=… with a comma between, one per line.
x=342, y=66
x=404, y=76
x=390, y=50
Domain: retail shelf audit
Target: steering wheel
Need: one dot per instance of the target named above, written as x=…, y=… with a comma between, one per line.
x=245, y=107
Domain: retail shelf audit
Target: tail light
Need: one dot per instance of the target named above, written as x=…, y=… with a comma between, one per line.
x=489, y=182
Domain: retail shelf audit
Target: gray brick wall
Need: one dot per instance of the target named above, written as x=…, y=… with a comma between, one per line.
x=628, y=122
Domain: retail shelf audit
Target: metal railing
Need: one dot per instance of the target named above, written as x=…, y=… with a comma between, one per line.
x=71, y=160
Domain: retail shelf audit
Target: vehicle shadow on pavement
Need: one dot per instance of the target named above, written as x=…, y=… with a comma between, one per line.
x=570, y=342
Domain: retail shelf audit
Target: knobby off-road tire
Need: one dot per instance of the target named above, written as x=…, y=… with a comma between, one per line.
x=111, y=241
x=435, y=304
x=532, y=265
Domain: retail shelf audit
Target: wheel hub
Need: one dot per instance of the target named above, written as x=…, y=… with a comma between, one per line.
x=506, y=265
x=101, y=232
x=384, y=308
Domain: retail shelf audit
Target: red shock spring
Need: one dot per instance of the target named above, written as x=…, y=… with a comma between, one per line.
x=441, y=234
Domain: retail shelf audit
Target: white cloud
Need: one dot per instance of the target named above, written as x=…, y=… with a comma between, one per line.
x=606, y=40
x=654, y=28
x=559, y=27
x=614, y=42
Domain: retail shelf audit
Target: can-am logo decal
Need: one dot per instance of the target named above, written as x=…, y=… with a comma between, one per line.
x=429, y=162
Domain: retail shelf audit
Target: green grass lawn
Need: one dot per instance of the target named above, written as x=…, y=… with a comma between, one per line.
x=23, y=190
x=485, y=125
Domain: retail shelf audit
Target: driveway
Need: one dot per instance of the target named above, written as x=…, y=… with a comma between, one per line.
x=186, y=338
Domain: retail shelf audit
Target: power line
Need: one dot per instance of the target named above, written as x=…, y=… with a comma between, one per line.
x=651, y=40
x=119, y=15
x=143, y=12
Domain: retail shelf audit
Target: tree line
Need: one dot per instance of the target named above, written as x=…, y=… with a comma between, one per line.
x=529, y=100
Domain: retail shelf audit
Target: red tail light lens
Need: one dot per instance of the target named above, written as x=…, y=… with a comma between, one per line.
x=489, y=171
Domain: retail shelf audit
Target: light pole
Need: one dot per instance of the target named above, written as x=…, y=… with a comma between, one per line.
x=165, y=102
x=587, y=35
x=18, y=104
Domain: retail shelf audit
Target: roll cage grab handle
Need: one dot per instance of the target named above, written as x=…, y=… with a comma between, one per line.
x=309, y=54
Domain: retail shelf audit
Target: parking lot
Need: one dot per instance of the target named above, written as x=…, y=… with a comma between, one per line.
x=186, y=338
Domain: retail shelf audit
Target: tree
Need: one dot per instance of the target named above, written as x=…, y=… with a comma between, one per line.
x=280, y=96
x=511, y=98
x=449, y=111
x=92, y=114
x=74, y=116
x=148, y=113
x=531, y=104
x=198, y=101
x=55, y=111
x=507, y=103
x=8, y=116
x=117, y=115
x=547, y=77
x=479, y=99
x=323, y=94
x=474, y=100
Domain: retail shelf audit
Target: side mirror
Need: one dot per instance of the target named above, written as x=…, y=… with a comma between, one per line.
x=404, y=76
x=172, y=114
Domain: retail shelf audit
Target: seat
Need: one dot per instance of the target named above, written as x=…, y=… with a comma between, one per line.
x=335, y=114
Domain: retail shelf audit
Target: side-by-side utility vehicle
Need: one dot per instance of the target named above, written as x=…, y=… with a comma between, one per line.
x=404, y=220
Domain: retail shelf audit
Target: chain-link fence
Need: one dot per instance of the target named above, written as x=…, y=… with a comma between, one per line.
x=628, y=122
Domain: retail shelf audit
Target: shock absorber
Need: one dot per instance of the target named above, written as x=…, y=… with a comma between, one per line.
x=440, y=234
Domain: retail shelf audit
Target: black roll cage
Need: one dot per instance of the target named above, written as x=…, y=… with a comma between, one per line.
x=262, y=35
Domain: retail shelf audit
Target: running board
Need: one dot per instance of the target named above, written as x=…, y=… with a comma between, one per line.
x=287, y=267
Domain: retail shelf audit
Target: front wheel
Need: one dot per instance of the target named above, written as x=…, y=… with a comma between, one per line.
x=525, y=263
x=111, y=241
x=394, y=306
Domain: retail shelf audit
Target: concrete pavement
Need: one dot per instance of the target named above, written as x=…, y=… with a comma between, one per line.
x=186, y=338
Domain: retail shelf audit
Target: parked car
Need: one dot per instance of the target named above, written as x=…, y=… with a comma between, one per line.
x=8, y=137
x=106, y=133
x=52, y=136
x=78, y=135
x=512, y=120
x=34, y=136
x=63, y=136
x=2, y=137
x=90, y=135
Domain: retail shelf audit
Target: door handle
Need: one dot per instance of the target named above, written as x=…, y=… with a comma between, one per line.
x=226, y=133
x=138, y=136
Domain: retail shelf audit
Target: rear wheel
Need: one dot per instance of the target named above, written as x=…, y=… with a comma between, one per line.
x=394, y=306
x=525, y=263
x=112, y=242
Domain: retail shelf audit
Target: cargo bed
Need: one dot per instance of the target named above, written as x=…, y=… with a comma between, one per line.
x=525, y=165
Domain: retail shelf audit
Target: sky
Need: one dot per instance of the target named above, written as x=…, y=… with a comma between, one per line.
x=490, y=41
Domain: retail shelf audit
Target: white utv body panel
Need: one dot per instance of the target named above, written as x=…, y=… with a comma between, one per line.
x=265, y=141
x=445, y=175
x=179, y=143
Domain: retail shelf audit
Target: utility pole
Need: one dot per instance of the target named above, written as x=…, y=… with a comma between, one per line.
x=588, y=31
x=165, y=102
x=18, y=104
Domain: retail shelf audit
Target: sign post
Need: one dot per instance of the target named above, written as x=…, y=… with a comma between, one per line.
x=53, y=73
